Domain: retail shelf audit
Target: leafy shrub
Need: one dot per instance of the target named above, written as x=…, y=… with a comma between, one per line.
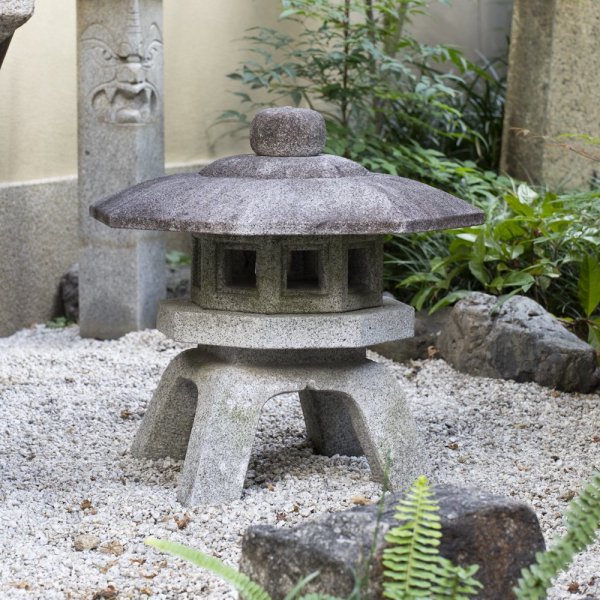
x=375, y=84
x=390, y=105
x=540, y=244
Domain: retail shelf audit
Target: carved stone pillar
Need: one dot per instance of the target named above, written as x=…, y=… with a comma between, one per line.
x=553, y=89
x=121, y=142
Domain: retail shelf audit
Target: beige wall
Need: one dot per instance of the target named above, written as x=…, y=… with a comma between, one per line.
x=478, y=27
x=38, y=120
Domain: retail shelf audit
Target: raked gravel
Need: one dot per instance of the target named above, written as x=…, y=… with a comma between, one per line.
x=71, y=406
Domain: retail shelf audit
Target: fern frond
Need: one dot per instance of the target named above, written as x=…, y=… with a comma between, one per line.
x=243, y=584
x=583, y=520
x=454, y=582
x=410, y=562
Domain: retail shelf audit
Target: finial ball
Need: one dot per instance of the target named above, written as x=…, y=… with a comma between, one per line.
x=287, y=131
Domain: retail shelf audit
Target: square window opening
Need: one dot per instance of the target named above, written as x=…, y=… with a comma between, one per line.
x=358, y=271
x=239, y=269
x=303, y=270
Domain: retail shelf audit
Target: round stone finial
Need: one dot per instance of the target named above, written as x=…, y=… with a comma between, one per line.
x=288, y=131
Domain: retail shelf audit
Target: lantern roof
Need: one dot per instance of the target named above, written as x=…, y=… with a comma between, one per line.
x=287, y=188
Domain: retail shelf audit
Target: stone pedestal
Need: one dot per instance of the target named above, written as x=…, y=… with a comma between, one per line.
x=207, y=405
x=121, y=142
x=553, y=88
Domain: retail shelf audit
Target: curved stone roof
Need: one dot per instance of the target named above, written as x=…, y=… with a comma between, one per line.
x=285, y=195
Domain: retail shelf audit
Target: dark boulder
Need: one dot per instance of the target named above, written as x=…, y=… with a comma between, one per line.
x=499, y=534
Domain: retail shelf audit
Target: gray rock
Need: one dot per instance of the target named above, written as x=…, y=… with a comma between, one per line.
x=519, y=341
x=499, y=534
x=69, y=293
x=13, y=14
x=288, y=131
x=427, y=330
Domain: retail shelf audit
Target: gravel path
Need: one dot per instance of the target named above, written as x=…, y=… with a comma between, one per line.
x=70, y=408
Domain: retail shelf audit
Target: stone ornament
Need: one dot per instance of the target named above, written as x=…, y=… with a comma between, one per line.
x=287, y=132
x=287, y=294
x=125, y=94
x=120, y=142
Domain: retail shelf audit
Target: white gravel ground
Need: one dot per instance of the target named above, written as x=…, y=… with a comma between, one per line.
x=70, y=408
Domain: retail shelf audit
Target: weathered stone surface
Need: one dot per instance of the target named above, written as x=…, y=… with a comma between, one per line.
x=373, y=204
x=553, y=49
x=287, y=131
x=519, y=341
x=208, y=403
x=272, y=167
x=69, y=293
x=499, y=534
x=186, y=322
x=427, y=330
x=287, y=274
x=121, y=142
x=42, y=218
x=289, y=195
x=13, y=14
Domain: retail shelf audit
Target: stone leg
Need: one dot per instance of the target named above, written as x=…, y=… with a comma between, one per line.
x=383, y=424
x=329, y=424
x=167, y=424
x=230, y=399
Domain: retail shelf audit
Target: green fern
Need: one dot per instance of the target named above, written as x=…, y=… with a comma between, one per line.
x=243, y=584
x=583, y=519
x=455, y=582
x=413, y=567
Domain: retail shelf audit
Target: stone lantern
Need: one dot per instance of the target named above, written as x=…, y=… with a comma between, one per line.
x=287, y=294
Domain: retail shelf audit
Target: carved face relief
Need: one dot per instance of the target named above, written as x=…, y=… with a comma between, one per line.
x=125, y=96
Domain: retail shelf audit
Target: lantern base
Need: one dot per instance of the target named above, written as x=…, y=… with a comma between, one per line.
x=184, y=321
x=208, y=403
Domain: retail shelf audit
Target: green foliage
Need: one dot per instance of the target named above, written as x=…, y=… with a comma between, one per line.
x=243, y=584
x=175, y=258
x=375, y=84
x=536, y=243
x=412, y=565
x=59, y=323
x=583, y=520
